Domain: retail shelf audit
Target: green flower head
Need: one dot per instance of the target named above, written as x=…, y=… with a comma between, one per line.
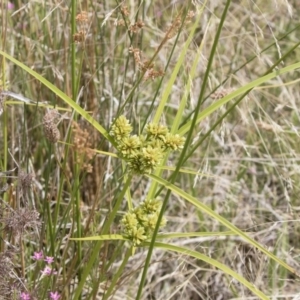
x=151, y=157
x=129, y=146
x=156, y=131
x=174, y=142
x=137, y=235
x=144, y=153
x=139, y=223
x=150, y=206
x=135, y=164
x=129, y=221
x=121, y=128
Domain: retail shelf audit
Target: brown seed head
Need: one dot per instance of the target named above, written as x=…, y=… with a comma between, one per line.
x=82, y=17
x=124, y=10
x=50, y=129
x=136, y=26
x=79, y=37
x=83, y=146
x=19, y=221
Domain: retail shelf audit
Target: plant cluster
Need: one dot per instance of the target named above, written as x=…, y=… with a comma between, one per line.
x=144, y=152
x=45, y=272
x=20, y=224
x=139, y=223
x=241, y=170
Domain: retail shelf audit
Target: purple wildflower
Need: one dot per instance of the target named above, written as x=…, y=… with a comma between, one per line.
x=10, y=5
x=48, y=271
x=54, y=296
x=25, y=296
x=38, y=255
x=49, y=259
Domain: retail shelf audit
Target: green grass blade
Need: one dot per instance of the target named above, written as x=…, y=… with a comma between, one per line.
x=222, y=220
x=174, y=74
x=191, y=76
x=213, y=262
x=209, y=110
x=169, y=235
x=104, y=237
x=62, y=95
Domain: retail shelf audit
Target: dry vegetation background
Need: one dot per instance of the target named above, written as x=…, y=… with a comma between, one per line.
x=249, y=164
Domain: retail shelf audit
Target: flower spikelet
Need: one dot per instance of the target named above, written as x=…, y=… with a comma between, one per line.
x=138, y=235
x=156, y=144
x=151, y=209
x=132, y=228
x=156, y=131
x=141, y=215
x=151, y=157
x=146, y=160
x=121, y=128
x=130, y=221
x=135, y=164
x=152, y=220
x=174, y=142
x=129, y=146
x=150, y=206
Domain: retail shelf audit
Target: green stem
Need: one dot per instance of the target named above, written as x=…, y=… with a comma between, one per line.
x=186, y=146
x=118, y=274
